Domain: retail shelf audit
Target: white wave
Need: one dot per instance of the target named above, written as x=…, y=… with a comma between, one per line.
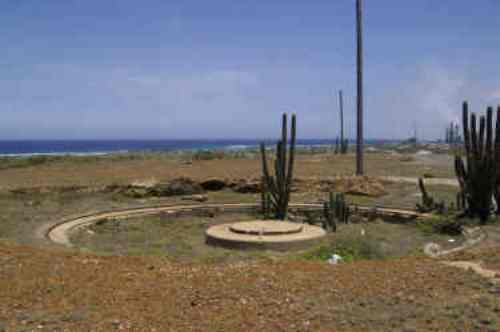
x=238, y=147
x=59, y=154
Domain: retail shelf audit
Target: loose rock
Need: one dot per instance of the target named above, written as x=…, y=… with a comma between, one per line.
x=213, y=184
x=196, y=198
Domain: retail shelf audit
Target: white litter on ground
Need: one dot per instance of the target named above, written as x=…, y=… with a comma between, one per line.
x=423, y=153
x=335, y=259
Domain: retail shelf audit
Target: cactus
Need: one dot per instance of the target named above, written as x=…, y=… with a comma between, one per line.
x=453, y=137
x=427, y=201
x=428, y=204
x=279, y=185
x=342, y=209
x=496, y=190
x=335, y=210
x=329, y=222
x=265, y=199
x=344, y=146
x=341, y=146
x=476, y=174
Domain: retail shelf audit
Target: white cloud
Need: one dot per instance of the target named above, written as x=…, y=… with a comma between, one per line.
x=431, y=96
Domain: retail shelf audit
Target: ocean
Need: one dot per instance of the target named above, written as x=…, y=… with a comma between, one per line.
x=98, y=147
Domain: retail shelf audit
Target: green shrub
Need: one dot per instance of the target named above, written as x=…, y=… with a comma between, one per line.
x=350, y=249
x=445, y=224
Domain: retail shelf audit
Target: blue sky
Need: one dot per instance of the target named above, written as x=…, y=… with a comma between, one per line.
x=81, y=69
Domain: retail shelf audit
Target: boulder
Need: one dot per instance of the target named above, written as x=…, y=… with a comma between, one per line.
x=362, y=185
x=160, y=190
x=213, y=184
x=246, y=186
x=177, y=187
x=367, y=189
x=136, y=192
x=195, y=198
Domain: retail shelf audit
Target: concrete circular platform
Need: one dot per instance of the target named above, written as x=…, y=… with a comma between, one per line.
x=264, y=234
x=265, y=227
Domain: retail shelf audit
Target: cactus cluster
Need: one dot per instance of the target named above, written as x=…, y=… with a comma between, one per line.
x=279, y=186
x=452, y=135
x=428, y=203
x=477, y=176
x=341, y=146
x=335, y=210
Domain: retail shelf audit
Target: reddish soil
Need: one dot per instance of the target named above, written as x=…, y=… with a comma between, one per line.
x=60, y=291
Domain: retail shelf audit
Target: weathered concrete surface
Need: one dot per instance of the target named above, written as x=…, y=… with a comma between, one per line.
x=266, y=227
x=260, y=234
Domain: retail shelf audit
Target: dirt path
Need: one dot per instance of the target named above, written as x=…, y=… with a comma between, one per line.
x=492, y=275
x=429, y=181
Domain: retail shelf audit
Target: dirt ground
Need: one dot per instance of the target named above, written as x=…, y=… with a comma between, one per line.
x=44, y=287
x=46, y=290
x=104, y=171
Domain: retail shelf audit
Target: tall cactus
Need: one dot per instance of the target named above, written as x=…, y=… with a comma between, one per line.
x=496, y=190
x=428, y=204
x=279, y=185
x=475, y=176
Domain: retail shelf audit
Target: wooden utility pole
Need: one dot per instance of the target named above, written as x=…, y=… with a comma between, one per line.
x=341, y=106
x=359, y=65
